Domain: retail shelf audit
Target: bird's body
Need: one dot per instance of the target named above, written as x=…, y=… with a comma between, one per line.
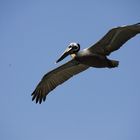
x=94, y=56
x=93, y=60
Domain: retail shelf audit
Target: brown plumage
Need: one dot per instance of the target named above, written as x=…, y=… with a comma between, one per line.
x=95, y=56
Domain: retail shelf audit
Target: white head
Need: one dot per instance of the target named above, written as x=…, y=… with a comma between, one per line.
x=72, y=49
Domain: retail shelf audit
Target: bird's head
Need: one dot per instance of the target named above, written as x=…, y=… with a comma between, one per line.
x=73, y=48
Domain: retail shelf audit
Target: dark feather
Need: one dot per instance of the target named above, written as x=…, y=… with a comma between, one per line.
x=56, y=77
x=114, y=39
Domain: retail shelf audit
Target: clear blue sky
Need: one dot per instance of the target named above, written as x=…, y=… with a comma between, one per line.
x=98, y=104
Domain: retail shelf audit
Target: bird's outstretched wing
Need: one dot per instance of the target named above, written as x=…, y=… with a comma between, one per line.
x=56, y=77
x=114, y=39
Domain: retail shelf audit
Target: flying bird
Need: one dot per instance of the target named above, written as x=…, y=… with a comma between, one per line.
x=94, y=56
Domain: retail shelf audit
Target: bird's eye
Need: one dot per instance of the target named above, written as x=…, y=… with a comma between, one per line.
x=75, y=47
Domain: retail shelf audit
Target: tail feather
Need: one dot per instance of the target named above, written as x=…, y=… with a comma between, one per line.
x=113, y=63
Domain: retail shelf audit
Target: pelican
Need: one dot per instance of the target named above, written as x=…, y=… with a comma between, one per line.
x=94, y=56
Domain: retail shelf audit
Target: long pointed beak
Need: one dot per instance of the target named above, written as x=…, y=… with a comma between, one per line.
x=65, y=54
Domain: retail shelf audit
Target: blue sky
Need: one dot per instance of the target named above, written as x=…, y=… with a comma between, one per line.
x=100, y=104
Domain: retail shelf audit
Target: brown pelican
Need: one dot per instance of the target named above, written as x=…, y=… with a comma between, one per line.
x=94, y=56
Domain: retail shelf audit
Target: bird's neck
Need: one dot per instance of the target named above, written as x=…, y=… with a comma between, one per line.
x=73, y=55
